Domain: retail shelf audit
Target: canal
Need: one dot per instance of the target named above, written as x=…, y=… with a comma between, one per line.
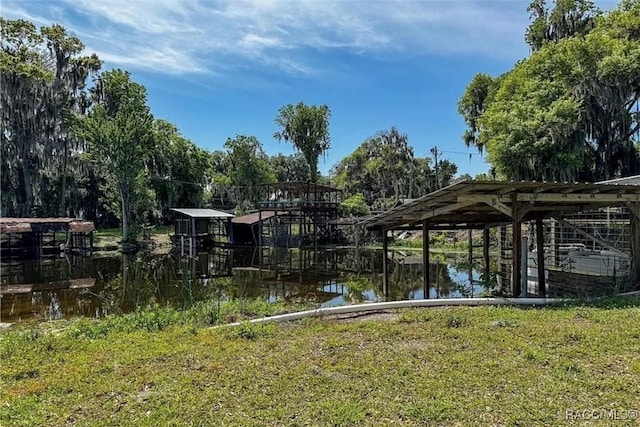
x=97, y=286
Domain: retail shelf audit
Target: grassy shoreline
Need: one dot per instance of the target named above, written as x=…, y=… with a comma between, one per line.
x=108, y=239
x=450, y=366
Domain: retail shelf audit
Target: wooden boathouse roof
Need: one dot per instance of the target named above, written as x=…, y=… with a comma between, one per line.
x=202, y=213
x=255, y=217
x=28, y=225
x=479, y=204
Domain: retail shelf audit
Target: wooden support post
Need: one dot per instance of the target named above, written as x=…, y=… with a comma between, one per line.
x=542, y=286
x=385, y=265
x=516, y=281
x=470, y=257
x=425, y=258
x=300, y=229
x=524, y=267
x=634, y=243
x=39, y=243
x=485, y=252
x=192, y=240
x=260, y=228
x=502, y=237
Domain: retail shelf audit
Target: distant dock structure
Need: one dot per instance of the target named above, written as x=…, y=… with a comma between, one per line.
x=35, y=237
x=298, y=214
x=200, y=228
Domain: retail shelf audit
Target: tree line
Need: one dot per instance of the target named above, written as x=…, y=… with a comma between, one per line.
x=570, y=111
x=77, y=140
x=80, y=141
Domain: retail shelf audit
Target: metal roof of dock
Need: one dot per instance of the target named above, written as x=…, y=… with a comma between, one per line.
x=202, y=213
x=630, y=180
x=478, y=204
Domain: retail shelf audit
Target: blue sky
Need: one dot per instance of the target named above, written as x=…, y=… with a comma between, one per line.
x=221, y=68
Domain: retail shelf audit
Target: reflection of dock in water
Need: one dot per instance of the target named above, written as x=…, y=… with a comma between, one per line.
x=46, y=288
x=24, y=288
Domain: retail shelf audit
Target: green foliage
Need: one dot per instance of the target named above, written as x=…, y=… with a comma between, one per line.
x=307, y=128
x=384, y=169
x=472, y=105
x=290, y=168
x=119, y=132
x=568, y=18
x=565, y=113
x=181, y=170
x=354, y=206
x=247, y=167
x=42, y=85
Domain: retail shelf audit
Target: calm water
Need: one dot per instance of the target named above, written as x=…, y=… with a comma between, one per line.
x=94, y=286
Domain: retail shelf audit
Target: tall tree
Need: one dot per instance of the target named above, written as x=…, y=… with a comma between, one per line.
x=42, y=85
x=119, y=131
x=307, y=128
x=247, y=168
x=568, y=111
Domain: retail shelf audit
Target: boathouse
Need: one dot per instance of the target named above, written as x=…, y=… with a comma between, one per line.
x=248, y=229
x=35, y=237
x=196, y=227
x=525, y=216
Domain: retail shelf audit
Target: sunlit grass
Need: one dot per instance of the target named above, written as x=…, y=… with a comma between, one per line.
x=449, y=366
x=109, y=237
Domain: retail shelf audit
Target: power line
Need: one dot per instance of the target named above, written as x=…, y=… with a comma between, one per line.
x=461, y=152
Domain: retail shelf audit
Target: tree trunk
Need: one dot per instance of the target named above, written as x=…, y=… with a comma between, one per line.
x=63, y=190
x=125, y=216
x=25, y=197
x=313, y=169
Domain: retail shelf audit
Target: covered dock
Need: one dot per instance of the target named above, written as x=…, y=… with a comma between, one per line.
x=197, y=227
x=248, y=229
x=483, y=205
x=34, y=237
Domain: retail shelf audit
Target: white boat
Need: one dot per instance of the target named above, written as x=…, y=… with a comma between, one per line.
x=602, y=263
x=579, y=266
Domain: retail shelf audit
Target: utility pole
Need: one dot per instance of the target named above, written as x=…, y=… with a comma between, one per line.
x=434, y=151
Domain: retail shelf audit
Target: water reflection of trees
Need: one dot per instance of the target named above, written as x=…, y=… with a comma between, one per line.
x=406, y=280
x=128, y=282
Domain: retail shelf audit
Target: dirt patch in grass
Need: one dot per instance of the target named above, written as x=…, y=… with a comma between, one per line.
x=366, y=316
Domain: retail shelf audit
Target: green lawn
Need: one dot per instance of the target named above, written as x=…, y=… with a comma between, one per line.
x=451, y=366
x=110, y=237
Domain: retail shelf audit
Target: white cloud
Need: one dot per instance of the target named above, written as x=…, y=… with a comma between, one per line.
x=191, y=36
